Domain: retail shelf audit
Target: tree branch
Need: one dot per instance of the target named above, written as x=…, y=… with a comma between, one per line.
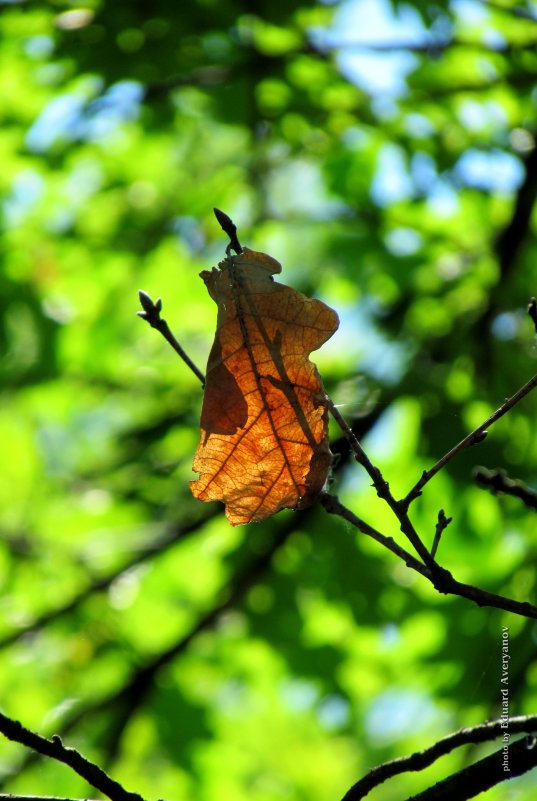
x=383, y=488
x=333, y=506
x=476, y=436
x=151, y=314
x=431, y=47
x=141, y=681
x=55, y=749
x=511, y=238
x=450, y=586
x=441, y=525
x=423, y=759
x=515, y=11
x=441, y=579
x=15, y=797
x=129, y=698
x=484, y=774
x=159, y=545
x=151, y=309
x=497, y=481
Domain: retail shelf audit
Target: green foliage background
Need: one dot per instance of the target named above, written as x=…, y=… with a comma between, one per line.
x=284, y=659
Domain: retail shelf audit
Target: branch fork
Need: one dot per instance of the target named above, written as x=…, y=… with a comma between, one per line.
x=426, y=565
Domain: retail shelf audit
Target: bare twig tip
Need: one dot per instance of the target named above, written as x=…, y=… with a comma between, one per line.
x=497, y=481
x=228, y=226
x=151, y=310
x=145, y=301
x=224, y=219
x=532, y=311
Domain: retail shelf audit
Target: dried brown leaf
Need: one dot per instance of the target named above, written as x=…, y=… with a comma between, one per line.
x=264, y=426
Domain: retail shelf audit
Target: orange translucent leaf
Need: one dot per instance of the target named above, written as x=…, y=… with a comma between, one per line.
x=264, y=426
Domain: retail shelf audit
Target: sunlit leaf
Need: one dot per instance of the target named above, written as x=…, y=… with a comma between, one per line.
x=264, y=424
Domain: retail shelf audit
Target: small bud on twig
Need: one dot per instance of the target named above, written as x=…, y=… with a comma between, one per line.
x=229, y=227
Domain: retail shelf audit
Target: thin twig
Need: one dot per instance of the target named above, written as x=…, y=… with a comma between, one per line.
x=16, y=797
x=208, y=76
x=473, y=438
x=151, y=314
x=55, y=749
x=515, y=11
x=333, y=506
x=441, y=579
x=151, y=309
x=448, y=585
x=128, y=699
x=511, y=238
x=229, y=228
x=441, y=525
x=158, y=546
x=497, y=481
x=383, y=488
x=423, y=759
x=433, y=48
x=475, y=779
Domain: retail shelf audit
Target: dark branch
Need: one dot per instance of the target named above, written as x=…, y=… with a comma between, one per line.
x=151, y=309
x=532, y=311
x=515, y=11
x=128, y=699
x=484, y=732
x=430, y=47
x=512, y=237
x=208, y=76
x=473, y=438
x=441, y=525
x=484, y=774
x=151, y=314
x=450, y=586
x=16, y=797
x=158, y=546
x=441, y=579
x=55, y=749
x=383, y=489
x=333, y=506
x=497, y=481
